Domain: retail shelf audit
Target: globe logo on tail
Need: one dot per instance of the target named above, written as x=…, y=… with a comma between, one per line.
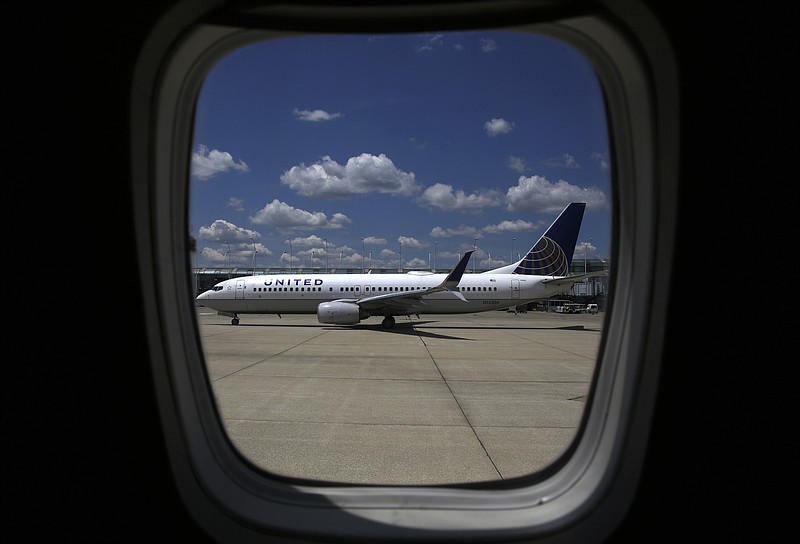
x=545, y=259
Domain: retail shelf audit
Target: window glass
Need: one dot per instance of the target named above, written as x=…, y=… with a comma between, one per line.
x=398, y=153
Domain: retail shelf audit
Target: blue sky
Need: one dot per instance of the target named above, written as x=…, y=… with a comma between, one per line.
x=390, y=147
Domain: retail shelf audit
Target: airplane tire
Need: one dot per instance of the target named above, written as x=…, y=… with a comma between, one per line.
x=388, y=322
x=235, y=321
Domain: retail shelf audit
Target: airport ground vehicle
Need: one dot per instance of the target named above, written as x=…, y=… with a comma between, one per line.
x=571, y=308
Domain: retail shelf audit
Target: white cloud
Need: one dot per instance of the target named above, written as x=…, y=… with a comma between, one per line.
x=537, y=194
x=517, y=225
x=463, y=230
x=307, y=241
x=221, y=230
x=363, y=174
x=498, y=126
x=488, y=46
x=570, y=162
x=602, y=160
x=416, y=262
x=442, y=196
x=517, y=164
x=372, y=240
x=562, y=161
x=585, y=248
x=283, y=216
x=315, y=115
x=236, y=243
x=236, y=203
x=411, y=243
x=207, y=164
x=431, y=41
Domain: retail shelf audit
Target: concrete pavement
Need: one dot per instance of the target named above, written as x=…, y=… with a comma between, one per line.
x=444, y=399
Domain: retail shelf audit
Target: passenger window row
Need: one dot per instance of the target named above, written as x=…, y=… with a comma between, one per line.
x=387, y=289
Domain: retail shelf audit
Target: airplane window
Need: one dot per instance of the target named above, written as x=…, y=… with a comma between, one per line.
x=473, y=140
x=273, y=139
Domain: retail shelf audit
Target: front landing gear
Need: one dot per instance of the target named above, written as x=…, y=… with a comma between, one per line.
x=235, y=320
x=388, y=322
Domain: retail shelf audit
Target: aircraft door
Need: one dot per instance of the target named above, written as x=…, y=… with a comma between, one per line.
x=514, y=288
x=239, y=289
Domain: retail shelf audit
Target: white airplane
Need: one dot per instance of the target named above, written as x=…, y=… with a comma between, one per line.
x=347, y=299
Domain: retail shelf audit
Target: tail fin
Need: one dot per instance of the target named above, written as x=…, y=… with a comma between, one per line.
x=551, y=255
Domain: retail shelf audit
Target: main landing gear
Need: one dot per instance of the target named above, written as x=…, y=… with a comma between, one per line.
x=388, y=322
x=235, y=320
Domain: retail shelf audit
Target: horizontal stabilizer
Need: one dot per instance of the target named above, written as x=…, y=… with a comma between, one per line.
x=562, y=281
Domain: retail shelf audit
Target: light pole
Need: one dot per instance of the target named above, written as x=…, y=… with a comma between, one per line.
x=434, y=256
x=512, y=249
x=474, y=248
x=254, y=255
x=586, y=254
x=326, y=254
x=290, y=255
x=227, y=258
x=362, y=253
x=585, y=262
x=400, y=253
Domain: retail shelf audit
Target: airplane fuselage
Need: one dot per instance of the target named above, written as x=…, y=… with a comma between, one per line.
x=346, y=299
x=303, y=293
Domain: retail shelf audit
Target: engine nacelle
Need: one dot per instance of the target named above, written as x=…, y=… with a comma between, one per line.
x=340, y=313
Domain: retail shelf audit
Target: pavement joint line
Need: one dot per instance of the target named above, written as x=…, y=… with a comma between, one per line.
x=466, y=418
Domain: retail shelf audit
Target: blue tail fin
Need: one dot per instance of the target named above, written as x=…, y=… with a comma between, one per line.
x=551, y=255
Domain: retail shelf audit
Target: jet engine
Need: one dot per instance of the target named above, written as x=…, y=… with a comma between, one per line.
x=340, y=313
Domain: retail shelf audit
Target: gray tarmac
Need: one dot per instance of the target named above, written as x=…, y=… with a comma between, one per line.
x=440, y=399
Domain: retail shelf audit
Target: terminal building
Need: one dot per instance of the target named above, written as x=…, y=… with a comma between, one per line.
x=592, y=290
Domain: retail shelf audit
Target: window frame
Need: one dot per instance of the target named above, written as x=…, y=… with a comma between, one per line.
x=589, y=493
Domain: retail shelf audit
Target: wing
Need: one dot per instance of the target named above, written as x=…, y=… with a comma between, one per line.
x=407, y=301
